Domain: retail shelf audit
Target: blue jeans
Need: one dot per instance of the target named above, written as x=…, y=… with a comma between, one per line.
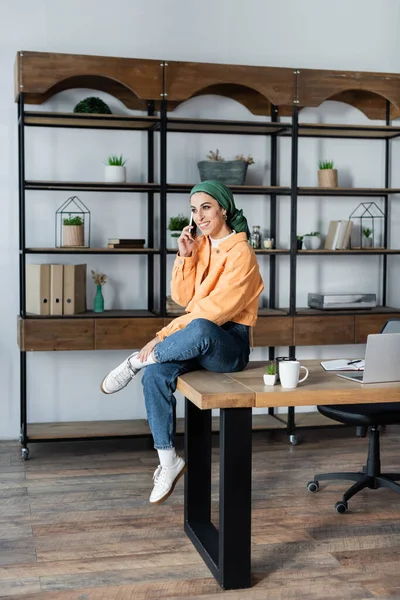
x=202, y=344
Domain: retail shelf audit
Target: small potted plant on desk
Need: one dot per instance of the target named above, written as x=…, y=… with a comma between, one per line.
x=300, y=242
x=312, y=241
x=271, y=373
x=175, y=226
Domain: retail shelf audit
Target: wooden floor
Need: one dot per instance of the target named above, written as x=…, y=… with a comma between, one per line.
x=75, y=524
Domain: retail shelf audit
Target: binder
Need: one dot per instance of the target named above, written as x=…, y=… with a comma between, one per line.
x=37, y=289
x=74, y=289
x=56, y=289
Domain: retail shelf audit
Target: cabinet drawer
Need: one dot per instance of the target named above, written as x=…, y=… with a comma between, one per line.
x=273, y=331
x=323, y=331
x=125, y=334
x=56, y=334
x=366, y=324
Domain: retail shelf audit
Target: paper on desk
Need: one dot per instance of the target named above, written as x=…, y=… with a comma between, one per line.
x=342, y=364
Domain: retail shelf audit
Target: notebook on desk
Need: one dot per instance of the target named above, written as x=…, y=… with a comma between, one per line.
x=343, y=364
x=382, y=360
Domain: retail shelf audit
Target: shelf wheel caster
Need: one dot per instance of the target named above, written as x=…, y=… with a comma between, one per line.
x=293, y=439
x=313, y=486
x=341, y=507
x=25, y=453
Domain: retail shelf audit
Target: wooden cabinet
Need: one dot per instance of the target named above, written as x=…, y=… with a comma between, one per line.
x=119, y=334
x=55, y=334
x=366, y=324
x=273, y=331
x=323, y=331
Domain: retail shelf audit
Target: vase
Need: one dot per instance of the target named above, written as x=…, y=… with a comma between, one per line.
x=73, y=235
x=312, y=242
x=115, y=174
x=328, y=178
x=98, y=300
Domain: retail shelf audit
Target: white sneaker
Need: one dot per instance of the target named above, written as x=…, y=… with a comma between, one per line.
x=165, y=479
x=119, y=377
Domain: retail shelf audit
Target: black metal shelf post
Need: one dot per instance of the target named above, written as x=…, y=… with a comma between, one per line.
x=163, y=195
x=386, y=207
x=22, y=270
x=150, y=212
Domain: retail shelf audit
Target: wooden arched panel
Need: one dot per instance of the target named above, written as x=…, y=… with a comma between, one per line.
x=369, y=92
x=41, y=74
x=254, y=87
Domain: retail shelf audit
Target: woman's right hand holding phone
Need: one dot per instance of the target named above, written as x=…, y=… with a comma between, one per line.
x=186, y=241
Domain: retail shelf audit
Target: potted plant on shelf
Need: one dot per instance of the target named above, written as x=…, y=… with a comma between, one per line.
x=92, y=105
x=367, y=237
x=115, y=171
x=327, y=175
x=73, y=231
x=271, y=373
x=175, y=226
x=300, y=242
x=312, y=241
x=99, y=279
x=230, y=172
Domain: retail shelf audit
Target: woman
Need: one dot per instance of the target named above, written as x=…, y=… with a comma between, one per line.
x=216, y=278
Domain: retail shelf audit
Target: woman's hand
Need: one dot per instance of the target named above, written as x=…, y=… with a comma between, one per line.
x=186, y=241
x=148, y=349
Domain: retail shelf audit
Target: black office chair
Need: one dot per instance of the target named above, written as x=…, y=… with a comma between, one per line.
x=364, y=417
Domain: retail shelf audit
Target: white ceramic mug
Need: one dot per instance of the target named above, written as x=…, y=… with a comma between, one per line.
x=289, y=372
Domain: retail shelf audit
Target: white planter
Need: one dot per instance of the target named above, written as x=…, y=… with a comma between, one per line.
x=270, y=379
x=312, y=242
x=115, y=174
x=173, y=239
x=366, y=242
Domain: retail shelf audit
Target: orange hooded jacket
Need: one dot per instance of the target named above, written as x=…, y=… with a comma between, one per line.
x=219, y=284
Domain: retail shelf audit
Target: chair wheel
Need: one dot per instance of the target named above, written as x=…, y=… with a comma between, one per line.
x=341, y=507
x=25, y=453
x=313, y=486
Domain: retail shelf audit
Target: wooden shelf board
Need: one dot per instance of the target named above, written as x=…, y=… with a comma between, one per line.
x=80, y=250
x=372, y=311
x=107, y=314
x=92, y=186
x=348, y=131
x=272, y=312
x=346, y=191
x=363, y=251
x=273, y=251
x=226, y=126
x=183, y=188
x=89, y=121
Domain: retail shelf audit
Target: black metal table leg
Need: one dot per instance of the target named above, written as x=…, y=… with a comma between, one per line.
x=227, y=551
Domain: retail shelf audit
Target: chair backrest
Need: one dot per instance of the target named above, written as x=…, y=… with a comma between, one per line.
x=391, y=326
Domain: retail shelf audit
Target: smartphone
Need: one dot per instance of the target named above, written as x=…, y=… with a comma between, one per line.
x=193, y=226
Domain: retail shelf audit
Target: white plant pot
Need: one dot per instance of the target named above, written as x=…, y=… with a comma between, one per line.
x=173, y=239
x=366, y=242
x=115, y=174
x=270, y=379
x=312, y=242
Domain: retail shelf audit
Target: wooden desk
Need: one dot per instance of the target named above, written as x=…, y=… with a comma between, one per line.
x=227, y=551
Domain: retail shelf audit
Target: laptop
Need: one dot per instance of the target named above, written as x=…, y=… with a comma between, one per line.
x=382, y=360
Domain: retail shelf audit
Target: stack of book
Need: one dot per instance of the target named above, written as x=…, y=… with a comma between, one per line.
x=339, y=235
x=125, y=243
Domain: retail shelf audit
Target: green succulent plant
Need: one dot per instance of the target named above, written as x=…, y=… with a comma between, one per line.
x=367, y=232
x=115, y=161
x=313, y=233
x=73, y=220
x=178, y=223
x=92, y=105
x=271, y=368
x=326, y=164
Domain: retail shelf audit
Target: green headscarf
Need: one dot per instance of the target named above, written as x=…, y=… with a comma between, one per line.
x=223, y=195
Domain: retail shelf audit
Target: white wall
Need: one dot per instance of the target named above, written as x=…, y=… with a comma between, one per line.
x=356, y=35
